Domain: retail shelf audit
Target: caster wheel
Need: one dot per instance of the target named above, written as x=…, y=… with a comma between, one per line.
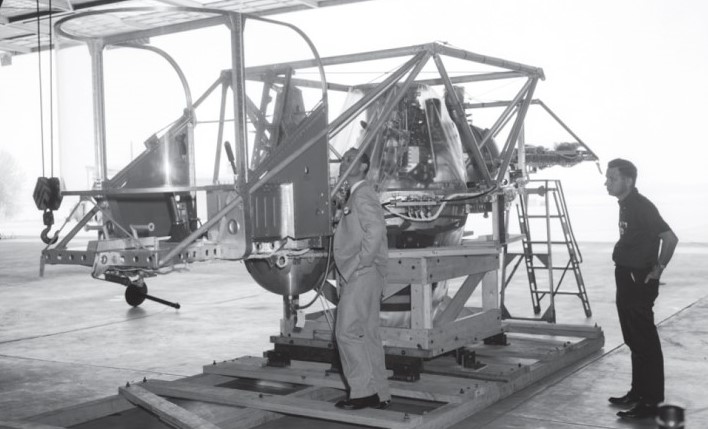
x=135, y=295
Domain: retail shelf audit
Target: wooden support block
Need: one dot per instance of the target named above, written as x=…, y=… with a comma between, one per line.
x=170, y=413
x=543, y=328
x=421, y=306
x=289, y=405
x=429, y=269
x=490, y=290
x=312, y=340
x=435, y=389
x=499, y=372
x=469, y=248
x=464, y=389
x=576, y=351
x=522, y=347
x=404, y=338
x=319, y=328
x=16, y=424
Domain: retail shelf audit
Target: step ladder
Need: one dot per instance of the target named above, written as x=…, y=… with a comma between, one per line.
x=538, y=254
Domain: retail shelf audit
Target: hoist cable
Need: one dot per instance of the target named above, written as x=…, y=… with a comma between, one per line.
x=51, y=91
x=41, y=98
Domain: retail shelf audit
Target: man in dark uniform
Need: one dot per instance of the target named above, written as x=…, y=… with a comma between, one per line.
x=645, y=247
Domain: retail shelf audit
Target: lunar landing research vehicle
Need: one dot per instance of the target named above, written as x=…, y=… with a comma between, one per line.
x=191, y=134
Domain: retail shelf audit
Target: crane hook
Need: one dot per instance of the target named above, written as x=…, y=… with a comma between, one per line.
x=48, y=221
x=47, y=196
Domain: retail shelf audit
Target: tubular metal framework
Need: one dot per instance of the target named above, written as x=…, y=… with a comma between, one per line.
x=278, y=212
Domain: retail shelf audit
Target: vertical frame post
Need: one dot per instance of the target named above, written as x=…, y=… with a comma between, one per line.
x=421, y=306
x=239, y=91
x=238, y=76
x=99, y=113
x=551, y=312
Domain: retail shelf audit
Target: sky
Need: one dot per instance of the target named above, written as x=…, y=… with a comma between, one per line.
x=629, y=77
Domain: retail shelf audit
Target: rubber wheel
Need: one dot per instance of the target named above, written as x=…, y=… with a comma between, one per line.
x=135, y=295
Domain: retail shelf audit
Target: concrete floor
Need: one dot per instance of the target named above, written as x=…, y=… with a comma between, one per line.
x=67, y=339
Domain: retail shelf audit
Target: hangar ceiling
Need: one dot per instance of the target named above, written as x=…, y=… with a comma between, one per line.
x=25, y=24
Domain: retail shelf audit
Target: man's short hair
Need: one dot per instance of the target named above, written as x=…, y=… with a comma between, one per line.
x=364, y=158
x=625, y=168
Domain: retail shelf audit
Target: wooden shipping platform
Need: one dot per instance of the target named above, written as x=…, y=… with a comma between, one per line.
x=245, y=393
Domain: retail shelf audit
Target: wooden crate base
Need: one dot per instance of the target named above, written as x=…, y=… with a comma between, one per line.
x=445, y=394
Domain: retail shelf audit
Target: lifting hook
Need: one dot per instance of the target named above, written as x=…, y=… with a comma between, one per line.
x=47, y=196
x=48, y=221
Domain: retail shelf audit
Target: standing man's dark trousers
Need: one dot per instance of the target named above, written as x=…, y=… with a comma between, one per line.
x=635, y=300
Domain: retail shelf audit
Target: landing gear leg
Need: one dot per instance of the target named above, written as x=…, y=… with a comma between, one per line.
x=135, y=294
x=136, y=291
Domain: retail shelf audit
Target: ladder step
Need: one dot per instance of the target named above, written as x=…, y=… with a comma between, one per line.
x=544, y=216
x=545, y=242
x=544, y=293
x=536, y=267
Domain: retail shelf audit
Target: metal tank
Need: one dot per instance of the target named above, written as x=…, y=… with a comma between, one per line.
x=288, y=277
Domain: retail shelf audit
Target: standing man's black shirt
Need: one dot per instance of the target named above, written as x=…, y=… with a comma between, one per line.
x=640, y=225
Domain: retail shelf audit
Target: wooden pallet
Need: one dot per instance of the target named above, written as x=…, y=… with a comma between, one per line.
x=446, y=392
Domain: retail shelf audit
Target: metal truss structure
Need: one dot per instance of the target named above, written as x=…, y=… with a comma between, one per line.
x=277, y=214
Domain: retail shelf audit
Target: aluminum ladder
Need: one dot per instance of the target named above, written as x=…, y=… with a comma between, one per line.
x=555, y=209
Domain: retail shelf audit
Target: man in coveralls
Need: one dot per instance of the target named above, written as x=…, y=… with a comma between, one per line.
x=645, y=247
x=361, y=256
